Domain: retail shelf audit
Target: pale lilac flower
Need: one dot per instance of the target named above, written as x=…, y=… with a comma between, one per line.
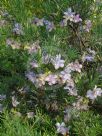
x=49, y=25
x=62, y=129
x=87, y=26
x=69, y=15
x=93, y=94
x=51, y=79
x=87, y=58
x=65, y=76
x=14, y=101
x=38, y=22
x=58, y=62
x=77, y=19
x=31, y=76
x=34, y=64
x=17, y=29
x=30, y=115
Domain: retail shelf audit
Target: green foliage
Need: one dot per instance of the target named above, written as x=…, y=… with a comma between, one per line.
x=14, y=65
x=88, y=124
x=12, y=68
x=12, y=125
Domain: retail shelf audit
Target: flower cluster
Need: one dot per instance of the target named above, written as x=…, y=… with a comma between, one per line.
x=71, y=16
x=41, y=22
x=62, y=77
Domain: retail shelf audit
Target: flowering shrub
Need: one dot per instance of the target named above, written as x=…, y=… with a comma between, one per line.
x=49, y=61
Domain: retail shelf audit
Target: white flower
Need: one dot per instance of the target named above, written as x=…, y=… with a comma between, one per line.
x=30, y=114
x=93, y=94
x=31, y=76
x=14, y=101
x=51, y=79
x=34, y=64
x=38, y=22
x=65, y=76
x=75, y=66
x=62, y=129
x=17, y=29
x=69, y=15
x=58, y=62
